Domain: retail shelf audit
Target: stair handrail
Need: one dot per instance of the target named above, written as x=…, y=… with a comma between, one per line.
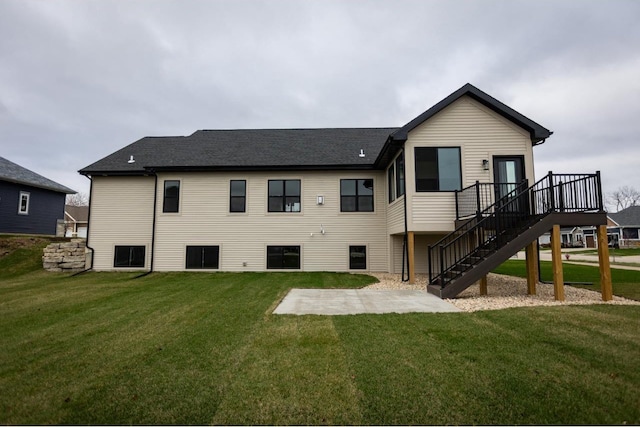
x=583, y=192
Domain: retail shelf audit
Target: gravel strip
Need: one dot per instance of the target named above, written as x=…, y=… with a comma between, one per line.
x=503, y=292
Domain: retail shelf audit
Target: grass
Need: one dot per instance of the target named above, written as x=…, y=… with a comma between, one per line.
x=612, y=252
x=196, y=348
x=626, y=283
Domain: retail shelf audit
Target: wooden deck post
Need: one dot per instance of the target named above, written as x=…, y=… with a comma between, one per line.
x=483, y=285
x=411, y=254
x=603, y=262
x=556, y=261
x=532, y=268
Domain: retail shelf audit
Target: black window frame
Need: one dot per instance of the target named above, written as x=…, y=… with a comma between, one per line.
x=391, y=182
x=285, y=199
x=358, y=198
x=422, y=186
x=132, y=254
x=236, y=198
x=197, y=257
x=171, y=203
x=357, y=249
x=400, y=178
x=275, y=251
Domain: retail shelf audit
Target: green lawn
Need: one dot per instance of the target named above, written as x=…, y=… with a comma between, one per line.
x=612, y=251
x=626, y=283
x=196, y=348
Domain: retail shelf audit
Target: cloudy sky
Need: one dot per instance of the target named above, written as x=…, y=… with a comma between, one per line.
x=81, y=79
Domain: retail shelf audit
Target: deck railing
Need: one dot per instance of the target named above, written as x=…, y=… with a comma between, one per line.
x=498, y=223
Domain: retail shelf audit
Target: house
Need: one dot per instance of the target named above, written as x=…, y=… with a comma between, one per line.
x=570, y=237
x=29, y=203
x=623, y=229
x=76, y=221
x=349, y=199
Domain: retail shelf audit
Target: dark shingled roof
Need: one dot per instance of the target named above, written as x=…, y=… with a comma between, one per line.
x=249, y=149
x=12, y=172
x=282, y=149
x=628, y=216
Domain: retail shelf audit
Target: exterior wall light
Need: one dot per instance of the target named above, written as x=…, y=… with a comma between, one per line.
x=485, y=164
x=320, y=200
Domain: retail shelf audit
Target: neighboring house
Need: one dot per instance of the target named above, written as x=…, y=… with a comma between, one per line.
x=29, y=203
x=349, y=199
x=570, y=237
x=623, y=229
x=76, y=221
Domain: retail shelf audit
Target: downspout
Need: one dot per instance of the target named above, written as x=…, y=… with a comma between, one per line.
x=153, y=225
x=88, y=229
x=405, y=248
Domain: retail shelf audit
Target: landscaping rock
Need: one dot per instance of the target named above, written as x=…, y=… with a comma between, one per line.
x=65, y=257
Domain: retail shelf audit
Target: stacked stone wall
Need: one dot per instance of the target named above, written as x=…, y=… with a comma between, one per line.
x=68, y=256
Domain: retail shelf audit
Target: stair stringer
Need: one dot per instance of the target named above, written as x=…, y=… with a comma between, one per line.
x=492, y=261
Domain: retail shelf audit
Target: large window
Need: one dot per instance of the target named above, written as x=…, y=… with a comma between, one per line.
x=284, y=195
x=283, y=257
x=203, y=257
x=357, y=257
x=129, y=256
x=356, y=195
x=391, y=183
x=23, y=203
x=400, y=175
x=438, y=169
x=171, y=201
x=238, y=196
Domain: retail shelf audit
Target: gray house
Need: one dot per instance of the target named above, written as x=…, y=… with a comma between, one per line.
x=29, y=203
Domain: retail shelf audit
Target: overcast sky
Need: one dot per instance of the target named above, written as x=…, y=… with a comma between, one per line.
x=82, y=79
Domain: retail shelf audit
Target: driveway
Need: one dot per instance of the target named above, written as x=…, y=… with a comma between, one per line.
x=359, y=301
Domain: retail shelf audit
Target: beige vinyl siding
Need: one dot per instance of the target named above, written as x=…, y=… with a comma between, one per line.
x=422, y=242
x=395, y=216
x=481, y=134
x=204, y=219
x=121, y=214
x=396, y=253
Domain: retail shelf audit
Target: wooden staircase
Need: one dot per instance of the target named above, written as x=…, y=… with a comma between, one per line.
x=495, y=232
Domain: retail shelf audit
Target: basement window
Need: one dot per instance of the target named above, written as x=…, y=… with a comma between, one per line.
x=283, y=257
x=357, y=257
x=129, y=256
x=203, y=257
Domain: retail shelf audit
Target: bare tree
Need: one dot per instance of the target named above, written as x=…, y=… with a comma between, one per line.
x=624, y=197
x=78, y=199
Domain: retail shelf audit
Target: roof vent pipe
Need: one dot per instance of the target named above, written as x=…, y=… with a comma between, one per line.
x=361, y=153
x=131, y=160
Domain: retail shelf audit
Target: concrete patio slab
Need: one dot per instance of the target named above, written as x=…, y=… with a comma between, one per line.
x=359, y=301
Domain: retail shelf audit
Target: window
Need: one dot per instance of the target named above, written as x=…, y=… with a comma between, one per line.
x=630, y=233
x=400, y=175
x=129, y=256
x=391, y=183
x=357, y=257
x=238, y=196
x=203, y=257
x=283, y=257
x=356, y=195
x=438, y=169
x=284, y=195
x=23, y=203
x=171, y=196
